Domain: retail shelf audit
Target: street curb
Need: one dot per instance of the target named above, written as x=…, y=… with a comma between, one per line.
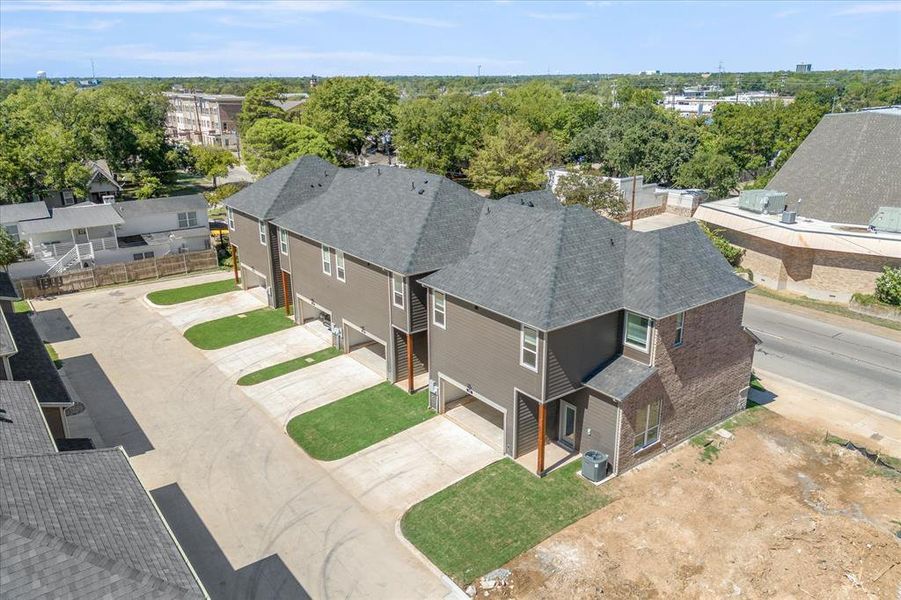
x=455, y=590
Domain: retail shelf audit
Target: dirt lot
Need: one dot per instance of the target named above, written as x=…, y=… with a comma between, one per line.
x=779, y=513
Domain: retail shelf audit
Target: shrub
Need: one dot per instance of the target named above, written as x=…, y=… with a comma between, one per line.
x=224, y=191
x=888, y=286
x=731, y=253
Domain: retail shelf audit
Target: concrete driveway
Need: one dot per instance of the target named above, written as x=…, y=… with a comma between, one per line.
x=255, y=493
x=187, y=314
x=264, y=351
x=396, y=473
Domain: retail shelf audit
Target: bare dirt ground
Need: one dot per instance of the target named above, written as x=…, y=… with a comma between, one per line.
x=779, y=513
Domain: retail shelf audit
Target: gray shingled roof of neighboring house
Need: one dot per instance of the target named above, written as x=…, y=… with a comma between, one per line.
x=32, y=362
x=552, y=268
x=404, y=220
x=7, y=288
x=541, y=199
x=620, y=377
x=846, y=168
x=75, y=217
x=23, y=211
x=155, y=206
x=23, y=430
x=284, y=189
x=7, y=343
x=101, y=167
x=81, y=524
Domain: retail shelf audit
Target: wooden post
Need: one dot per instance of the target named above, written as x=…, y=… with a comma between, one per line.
x=542, y=418
x=410, y=363
x=286, y=293
x=234, y=250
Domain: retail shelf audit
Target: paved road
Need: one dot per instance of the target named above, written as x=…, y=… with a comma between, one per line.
x=828, y=353
x=259, y=518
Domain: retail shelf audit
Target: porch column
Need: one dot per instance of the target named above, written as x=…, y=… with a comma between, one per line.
x=410, y=363
x=234, y=250
x=542, y=419
x=286, y=293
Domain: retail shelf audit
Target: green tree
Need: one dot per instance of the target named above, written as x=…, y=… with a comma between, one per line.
x=709, y=170
x=150, y=187
x=271, y=143
x=350, y=111
x=258, y=105
x=212, y=162
x=537, y=104
x=592, y=190
x=888, y=286
x=512, y=160
x=10, y=250
x=731, y=253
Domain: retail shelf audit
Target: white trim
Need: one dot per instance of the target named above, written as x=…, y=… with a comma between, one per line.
x=680, y=330
x=619, y=426
x=647, y=334
x=340, y=269
x=319, y=307
x=264, y=235
x=257, y=273
x=325, y=259
x=435, y=309
x=403, y=291
x=362, y=330
x=283, y=241
x=230, y=218
x=647, y=427
x=561, y=421
x=442, y=406
x=522, y=348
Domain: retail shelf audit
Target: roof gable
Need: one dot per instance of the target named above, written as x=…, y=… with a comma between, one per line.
x=284, y=189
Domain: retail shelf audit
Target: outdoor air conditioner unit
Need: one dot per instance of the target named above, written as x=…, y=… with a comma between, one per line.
x=789, y=217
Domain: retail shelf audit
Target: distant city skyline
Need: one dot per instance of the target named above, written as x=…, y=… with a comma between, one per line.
x=284, y=38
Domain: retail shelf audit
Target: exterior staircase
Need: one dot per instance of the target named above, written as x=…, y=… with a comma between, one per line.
x=71, y=259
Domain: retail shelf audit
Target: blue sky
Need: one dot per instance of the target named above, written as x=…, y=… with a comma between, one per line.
x=290, y=38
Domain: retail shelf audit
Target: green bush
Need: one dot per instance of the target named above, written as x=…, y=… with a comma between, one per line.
x=731, y=253
x=888, y=286
x=864, y=299
x=224, y=191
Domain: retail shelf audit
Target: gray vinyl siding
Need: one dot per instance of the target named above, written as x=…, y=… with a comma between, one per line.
x=251, y=253
x=400, y=316
x=575, y=352
x=481, y=349
x=526, y=425
x=597, y=414
x=278, y=290
x=420, y=354
x=362, y=299
x=419, y=305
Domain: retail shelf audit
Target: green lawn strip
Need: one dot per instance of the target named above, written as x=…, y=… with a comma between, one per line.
x=358, y=421
x=226, y=331
x=21, y=306
x=828, y=307
x=53, y=355
x=192, y=292
x=483, y=521
x=289, y=366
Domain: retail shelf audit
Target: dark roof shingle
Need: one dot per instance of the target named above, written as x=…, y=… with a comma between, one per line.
x=32, y=362
x=23, y=430
x=284, y=189
x=620, y=377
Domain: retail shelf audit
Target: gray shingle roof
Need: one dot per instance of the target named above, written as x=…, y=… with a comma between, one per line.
x=620, y=377
x=7, y=289
x=846, y=168
x=552, y=268
x=32, y=362
x=23, y=430
x=23, y=211
x=89, y=511
x=284, y=188
x=7, y=343
x=405, y=220
x=155, y=206
x=541, y=199
x=74, y=217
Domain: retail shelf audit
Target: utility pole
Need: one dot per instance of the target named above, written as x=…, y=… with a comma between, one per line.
x=632, y=212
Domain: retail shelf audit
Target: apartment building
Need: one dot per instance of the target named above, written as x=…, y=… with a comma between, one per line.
x=204, y=119
x=556, y=329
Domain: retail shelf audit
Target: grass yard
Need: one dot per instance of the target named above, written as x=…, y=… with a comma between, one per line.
x=192, y=292
x=226, y=331
x=21, y=306
x=53, y=355
x=495, y=514
x=289, y=366
x=829, y=307
x=358, y=421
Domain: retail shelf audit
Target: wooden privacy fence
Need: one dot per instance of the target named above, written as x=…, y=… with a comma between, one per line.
x=149, y=268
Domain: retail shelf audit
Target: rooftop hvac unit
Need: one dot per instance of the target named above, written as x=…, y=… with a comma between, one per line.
x=762, y=201
x=789, y=217
x=887, y=219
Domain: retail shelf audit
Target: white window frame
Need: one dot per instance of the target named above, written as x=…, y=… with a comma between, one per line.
x=398, y=279
x=648, y=426
x=263, y=236
x=13, y=231
x=680, y=329
x=647, y=336
x=523, y=350
x=189, y=219
x=230, y=217
x=326, y=259
x=439, y=311
x=283, y=241
x=340, y=266
x=68, y=198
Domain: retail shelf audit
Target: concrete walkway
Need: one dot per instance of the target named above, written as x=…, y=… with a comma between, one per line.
x=396, y=473
x=251, y=488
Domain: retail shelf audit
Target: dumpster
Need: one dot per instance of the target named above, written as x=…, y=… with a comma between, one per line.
x=594, y=465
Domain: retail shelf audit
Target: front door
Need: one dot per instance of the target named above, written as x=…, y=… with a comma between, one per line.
x=567, y=432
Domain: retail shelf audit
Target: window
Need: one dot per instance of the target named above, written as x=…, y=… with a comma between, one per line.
x=397, y=287
x=142, y=255
x=13, y=231
x=283, y=241
x=68, y=198
x=340, y=272
x=680, y=328
x=528, y=355
x=439, y=309
x=231, y=218
x=187, y=219
x=647, y=425
x=326, y=261
x=637, y=331
x=262, y=232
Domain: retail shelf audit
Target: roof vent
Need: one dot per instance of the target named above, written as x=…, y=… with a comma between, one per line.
x=379, y=171
x=611, y=242
x=487, y=210
x=412, y=185
x=421, y=192
x=426, y=181
x=320, y=185
x=531, y=204
x=312, y=186
x=522, y=202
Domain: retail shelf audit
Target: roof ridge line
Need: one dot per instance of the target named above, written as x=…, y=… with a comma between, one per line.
x=553, y=284
x=408, y=266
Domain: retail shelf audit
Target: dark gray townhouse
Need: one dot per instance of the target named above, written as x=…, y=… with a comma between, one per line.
x=562, y=326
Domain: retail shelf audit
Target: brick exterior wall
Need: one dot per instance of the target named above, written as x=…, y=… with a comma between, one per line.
x=699, y=383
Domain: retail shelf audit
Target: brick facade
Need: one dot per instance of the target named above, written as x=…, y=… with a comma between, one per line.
x=699, y=383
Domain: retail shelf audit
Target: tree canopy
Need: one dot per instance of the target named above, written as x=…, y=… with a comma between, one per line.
x=258, y=104
x=514, y=159
x=272, y=143
x=212, y=162
x=592, y=190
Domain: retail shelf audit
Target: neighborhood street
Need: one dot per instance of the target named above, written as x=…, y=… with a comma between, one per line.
x=850, y=359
